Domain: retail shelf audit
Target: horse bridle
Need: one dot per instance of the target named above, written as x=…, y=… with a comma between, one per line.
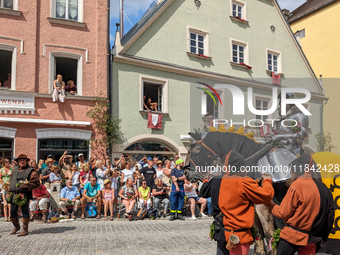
x=207, y=147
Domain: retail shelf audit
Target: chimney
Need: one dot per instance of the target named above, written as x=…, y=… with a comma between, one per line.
x=286, y=13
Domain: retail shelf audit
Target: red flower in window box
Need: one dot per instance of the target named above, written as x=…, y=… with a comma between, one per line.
x=249, y=67
x=201, y=55
x=240, y=18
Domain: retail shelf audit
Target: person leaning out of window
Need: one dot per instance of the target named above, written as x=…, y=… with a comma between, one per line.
x=71, y=88
x=58, y=89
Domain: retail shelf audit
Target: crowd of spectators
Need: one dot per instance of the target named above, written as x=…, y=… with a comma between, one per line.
x=126, y=183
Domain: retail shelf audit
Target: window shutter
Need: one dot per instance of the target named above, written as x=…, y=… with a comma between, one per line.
x=204, y=104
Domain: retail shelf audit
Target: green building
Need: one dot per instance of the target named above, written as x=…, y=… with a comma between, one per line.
x=181, y=43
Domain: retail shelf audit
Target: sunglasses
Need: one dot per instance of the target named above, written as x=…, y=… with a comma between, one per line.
x=144, y=183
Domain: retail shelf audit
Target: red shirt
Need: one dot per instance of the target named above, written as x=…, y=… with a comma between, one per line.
x=83, y=175
x=39, y=192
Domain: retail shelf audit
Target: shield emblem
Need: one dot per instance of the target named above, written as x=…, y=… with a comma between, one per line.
x=155, y=119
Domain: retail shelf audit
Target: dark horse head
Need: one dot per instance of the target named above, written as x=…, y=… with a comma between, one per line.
x=211, y=148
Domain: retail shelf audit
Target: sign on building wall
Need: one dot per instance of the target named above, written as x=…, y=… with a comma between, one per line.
x=16, y=104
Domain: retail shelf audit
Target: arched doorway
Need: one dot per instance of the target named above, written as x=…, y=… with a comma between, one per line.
x=149, y=148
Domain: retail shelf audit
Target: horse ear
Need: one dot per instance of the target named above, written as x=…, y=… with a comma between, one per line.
x=195, y=136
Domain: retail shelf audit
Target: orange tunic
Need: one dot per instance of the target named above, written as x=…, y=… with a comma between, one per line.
x=298, y=209
x=236, y=201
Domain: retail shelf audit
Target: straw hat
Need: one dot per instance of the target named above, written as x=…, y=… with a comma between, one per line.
x=107, y=181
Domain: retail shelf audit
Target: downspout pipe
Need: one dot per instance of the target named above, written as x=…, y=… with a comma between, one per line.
x=109, y=74
x=321, y=113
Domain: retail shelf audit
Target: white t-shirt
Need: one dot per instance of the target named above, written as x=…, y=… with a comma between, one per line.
x=114, y=184
x=192, y=192
x=128, y=173
x=75, y=178
x=159, y=173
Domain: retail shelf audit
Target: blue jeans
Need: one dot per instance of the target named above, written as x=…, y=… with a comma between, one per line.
x=209, y=205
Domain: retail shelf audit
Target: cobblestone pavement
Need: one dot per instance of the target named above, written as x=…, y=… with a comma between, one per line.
x=117, y=237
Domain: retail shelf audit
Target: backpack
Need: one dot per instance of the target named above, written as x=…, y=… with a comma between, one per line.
x=142, y=213
x=91, y=211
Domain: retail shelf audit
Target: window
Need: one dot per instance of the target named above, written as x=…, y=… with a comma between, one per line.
x=7, y=4
x=69, y=65
x=238, y=10
x=67, y=9
x=274, y=61
x=56, y=147
x=6, y=147
x=154, y=94
x=149, y=149
x=7, y=66
x=238, y=53
x=198, y=42
x=262, y=104
x=210, y=108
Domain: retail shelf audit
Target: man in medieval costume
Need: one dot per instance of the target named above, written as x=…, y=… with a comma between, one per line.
x=233, y=196
x=307, y=209
x=287, y=141
x=24, y=179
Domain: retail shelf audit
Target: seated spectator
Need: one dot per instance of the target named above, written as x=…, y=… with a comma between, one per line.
x=45, y=174
x=7, y=83
x=144, y=194
x=91, y=194
x=69, y=197
x=58, y=89
x=137, y=175
x=73, y=174
x=64, y=164
x=54, y=176
x=115, y=179
x=7, y=206
x=101, y=173
x=41, y=162
x=84, y=176
x=129, y=194
x=127, y=172
x=159, y=170
x=41, y=197
x=143, y=162
x=149, y=106
x=190, y=192
x=159, y=191
x=81, y=160
x=71, y=88
x=49, y=156
x=108, y=196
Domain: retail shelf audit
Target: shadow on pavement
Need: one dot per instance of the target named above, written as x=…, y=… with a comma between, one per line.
x=52, y=230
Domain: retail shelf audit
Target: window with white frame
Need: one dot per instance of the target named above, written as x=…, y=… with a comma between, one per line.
x=273, y=61
x=154, y=95
x=239, y=52
x=7, y=66
x=69, y=66
x=210, y=105
x=238, y=9
x=262, y=104
x=9, y=4
x=198, y=41
x=67, y=9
